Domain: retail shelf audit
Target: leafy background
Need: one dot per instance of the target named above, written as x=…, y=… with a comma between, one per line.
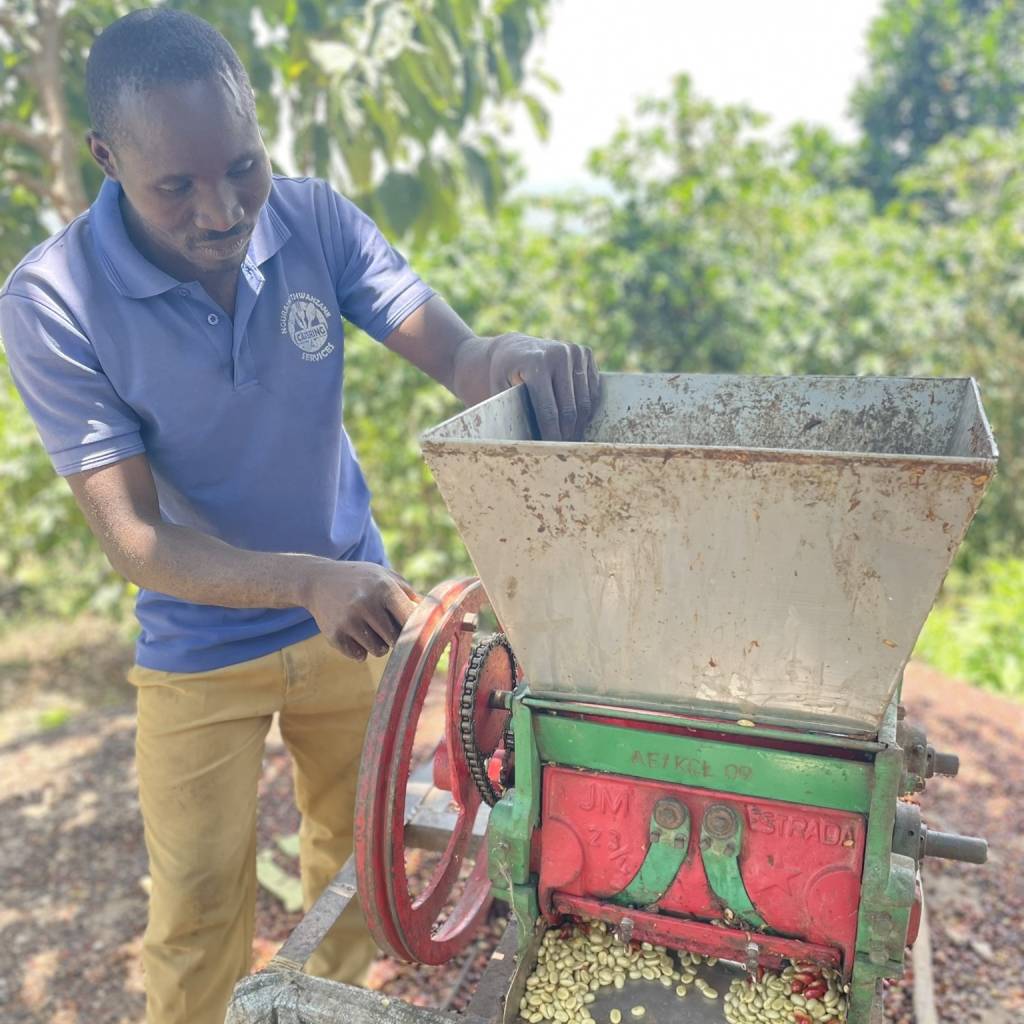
x=717, y=244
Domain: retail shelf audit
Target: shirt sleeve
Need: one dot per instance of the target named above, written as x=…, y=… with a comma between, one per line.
x=376, y=287
x=82, y=421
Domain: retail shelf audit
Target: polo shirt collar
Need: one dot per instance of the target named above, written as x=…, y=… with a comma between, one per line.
x=269, y=234
x=133, y=275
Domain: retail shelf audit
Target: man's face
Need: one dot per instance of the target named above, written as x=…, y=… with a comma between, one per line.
x=194, y=171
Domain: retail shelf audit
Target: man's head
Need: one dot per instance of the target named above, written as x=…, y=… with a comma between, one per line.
x=174, y=121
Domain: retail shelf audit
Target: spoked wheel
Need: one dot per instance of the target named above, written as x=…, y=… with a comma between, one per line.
x=406, y=926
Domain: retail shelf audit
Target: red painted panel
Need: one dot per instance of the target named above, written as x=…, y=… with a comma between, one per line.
x=801, y=865
x=914, y=924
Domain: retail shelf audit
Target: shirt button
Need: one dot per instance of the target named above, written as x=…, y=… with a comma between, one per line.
x=213, y=319
x=183, y=292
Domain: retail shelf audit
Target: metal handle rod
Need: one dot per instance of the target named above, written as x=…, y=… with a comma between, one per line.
x=970, y=849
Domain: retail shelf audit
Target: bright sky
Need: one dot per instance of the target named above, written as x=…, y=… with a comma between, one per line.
x=792, y=59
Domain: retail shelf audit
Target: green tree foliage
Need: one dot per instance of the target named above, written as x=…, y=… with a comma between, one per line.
x=722, y=251
x=937, y=68
x=976, y=632
x=394, y=101
x=967, y=198
x=49, y=561
x=691, y=230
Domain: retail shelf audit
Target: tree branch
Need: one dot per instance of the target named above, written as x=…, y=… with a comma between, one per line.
x=26, y=137
x=33, y=185
x=68, y=190
x=47, y=10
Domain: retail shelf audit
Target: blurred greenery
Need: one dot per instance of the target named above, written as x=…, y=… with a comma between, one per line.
x=54, y=718
x=976, y=632
x=715, y=243
x=401, y=103
x=938, y=68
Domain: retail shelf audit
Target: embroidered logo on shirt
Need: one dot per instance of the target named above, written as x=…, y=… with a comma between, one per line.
x=304, y=319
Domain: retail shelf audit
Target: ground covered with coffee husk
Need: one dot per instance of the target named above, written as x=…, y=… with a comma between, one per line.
x=73, y=868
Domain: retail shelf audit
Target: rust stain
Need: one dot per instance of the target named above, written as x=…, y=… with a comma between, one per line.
x=903, y=420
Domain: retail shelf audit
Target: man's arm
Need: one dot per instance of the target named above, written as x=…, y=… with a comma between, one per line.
x=562, y=379
x=360, y=607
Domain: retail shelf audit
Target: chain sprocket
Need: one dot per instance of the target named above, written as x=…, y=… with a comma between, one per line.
x=492, y=668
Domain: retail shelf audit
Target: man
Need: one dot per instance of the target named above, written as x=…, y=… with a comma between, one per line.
x=180, y=348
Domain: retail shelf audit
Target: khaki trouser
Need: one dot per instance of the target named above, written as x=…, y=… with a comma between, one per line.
x=199, y=751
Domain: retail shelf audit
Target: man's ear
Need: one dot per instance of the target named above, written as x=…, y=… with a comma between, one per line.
x=102, y=154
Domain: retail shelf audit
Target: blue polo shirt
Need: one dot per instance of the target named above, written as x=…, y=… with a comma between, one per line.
x=240, y=417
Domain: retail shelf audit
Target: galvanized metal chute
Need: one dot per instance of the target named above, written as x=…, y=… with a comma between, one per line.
x=751, y=547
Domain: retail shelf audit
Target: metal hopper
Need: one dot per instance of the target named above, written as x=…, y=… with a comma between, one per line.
x=751, y=547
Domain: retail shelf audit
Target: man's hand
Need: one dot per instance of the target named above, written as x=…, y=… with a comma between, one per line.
x=360, y=607
x=561, y=379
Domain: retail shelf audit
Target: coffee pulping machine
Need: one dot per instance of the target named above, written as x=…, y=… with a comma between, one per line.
x=686, y=722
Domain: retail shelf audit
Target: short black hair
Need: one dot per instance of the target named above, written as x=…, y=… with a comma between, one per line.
x=148, y=49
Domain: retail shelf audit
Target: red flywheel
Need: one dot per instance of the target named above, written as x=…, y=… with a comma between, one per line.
x=416, y=928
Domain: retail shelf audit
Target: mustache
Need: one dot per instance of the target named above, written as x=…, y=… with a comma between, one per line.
x=222, y=236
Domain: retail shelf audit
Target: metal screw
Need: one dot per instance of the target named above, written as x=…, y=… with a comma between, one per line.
x=721, y=821
x=669, y=813
x=753, y=953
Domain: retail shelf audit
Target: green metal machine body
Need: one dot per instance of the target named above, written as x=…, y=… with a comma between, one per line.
x=867, y=779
